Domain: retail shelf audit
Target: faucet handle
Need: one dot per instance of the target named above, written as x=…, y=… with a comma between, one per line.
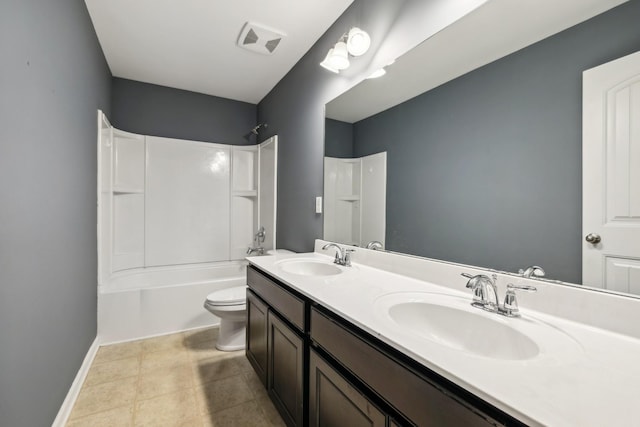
x=510, y=307
x=347, y=257
x=475, y=284
x=532, y=271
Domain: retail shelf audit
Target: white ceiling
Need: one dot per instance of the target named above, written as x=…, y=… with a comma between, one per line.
x=191, y=44
x=492, y=31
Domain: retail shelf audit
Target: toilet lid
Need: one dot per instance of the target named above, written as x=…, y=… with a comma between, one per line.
x=229, y=296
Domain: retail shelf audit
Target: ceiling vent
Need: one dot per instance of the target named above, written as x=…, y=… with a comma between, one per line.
x=256, y=38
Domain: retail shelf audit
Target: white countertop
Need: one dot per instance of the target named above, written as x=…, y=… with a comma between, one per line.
x=593, y=381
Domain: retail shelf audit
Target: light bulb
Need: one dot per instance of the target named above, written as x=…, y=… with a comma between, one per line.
x=358, y=41
x=326, y=64
x=339, y=58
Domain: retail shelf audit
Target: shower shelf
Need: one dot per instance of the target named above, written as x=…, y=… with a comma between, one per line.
x=124, y=190
x=350, y=198
x=245, y=193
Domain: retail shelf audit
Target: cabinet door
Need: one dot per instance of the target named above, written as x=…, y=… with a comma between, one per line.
x=256, y=348
x=333, y=402
x=285, y=372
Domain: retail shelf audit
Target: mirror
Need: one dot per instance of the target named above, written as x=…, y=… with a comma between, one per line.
x=483, y=169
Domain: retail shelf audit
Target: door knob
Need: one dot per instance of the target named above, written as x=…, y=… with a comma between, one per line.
x=593, y=238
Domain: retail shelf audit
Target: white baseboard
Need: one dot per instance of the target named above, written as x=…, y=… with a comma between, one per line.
x=74, y=390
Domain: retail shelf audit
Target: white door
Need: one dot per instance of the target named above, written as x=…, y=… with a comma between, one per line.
x=611, y=175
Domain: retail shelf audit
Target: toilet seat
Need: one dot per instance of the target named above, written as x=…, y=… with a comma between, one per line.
x=227, y=297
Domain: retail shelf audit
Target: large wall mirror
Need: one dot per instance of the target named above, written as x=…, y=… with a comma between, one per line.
x=486, y=169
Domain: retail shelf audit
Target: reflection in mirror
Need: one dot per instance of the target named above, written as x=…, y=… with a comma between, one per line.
x=355, y=199
x=486, y=169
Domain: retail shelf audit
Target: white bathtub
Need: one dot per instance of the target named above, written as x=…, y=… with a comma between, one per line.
x=161, y=300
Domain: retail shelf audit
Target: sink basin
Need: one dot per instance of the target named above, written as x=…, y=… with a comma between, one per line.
x=306, y=267
x=452, y=322
x=464, y=330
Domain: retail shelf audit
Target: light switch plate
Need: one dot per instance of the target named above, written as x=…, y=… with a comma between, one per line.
x=319, y=204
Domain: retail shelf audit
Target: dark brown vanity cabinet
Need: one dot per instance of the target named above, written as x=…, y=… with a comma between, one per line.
x=322, y=371
x=286, y=370
x=334, y=402
x=276, y=344
x=256, y=345
x=419, y=400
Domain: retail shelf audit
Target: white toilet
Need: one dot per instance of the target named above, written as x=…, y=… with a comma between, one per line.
x=230, y=305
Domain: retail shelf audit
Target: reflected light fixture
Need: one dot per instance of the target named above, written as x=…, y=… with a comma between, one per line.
x=380, y=71
x=355, y=43
x=377, y=73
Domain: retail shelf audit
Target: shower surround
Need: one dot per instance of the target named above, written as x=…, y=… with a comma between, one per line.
x=175, y=218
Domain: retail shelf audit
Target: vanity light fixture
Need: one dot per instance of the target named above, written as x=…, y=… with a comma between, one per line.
x=326, y=64
x=358, y=41
x=355, y=43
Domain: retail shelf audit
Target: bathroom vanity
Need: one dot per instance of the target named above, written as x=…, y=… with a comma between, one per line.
x=315, y=362
x=331, y=348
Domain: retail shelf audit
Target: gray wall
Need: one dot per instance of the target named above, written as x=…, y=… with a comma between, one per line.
x=53, y=79
x=338, y=139
x=150, y=109
x=294, y=110
x=486, y=169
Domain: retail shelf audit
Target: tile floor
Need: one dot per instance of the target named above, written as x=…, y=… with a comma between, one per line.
x=173, y=380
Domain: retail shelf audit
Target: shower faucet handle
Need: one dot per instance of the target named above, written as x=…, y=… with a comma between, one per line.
x=260, y=235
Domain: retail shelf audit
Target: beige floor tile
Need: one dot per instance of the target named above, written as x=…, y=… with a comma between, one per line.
x=102, y=397
x=216, y=396
x=173, y=409
x=247, y=414
x=254, y=383
x=213, y=369
x=114, y=370
x=199, y=335
x=163, y=360
x=163, y=343
x=166, y=380
x=244, y=362
x=270, y=412
x=118, y=417
x=113, y=352
x=206, y=349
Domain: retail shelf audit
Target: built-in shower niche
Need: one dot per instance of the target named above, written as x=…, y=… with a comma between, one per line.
x=170, y=202
x=355, y=199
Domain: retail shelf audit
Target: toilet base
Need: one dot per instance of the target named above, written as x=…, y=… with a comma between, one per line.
x=232, y=335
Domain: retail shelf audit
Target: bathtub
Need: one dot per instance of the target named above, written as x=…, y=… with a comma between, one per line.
x=142, y=303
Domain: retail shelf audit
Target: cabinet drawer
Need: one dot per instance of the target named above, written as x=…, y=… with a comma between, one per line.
x=283, y=301
x=416, y=398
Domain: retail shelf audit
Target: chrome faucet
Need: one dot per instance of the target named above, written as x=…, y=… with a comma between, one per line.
x=375, y=245
x=343, y=257
x=258, y=240
x=532, y=271
x=485, y=294
x=258, y=250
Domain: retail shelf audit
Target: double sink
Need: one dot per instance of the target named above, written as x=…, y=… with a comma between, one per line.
x=449, y=321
